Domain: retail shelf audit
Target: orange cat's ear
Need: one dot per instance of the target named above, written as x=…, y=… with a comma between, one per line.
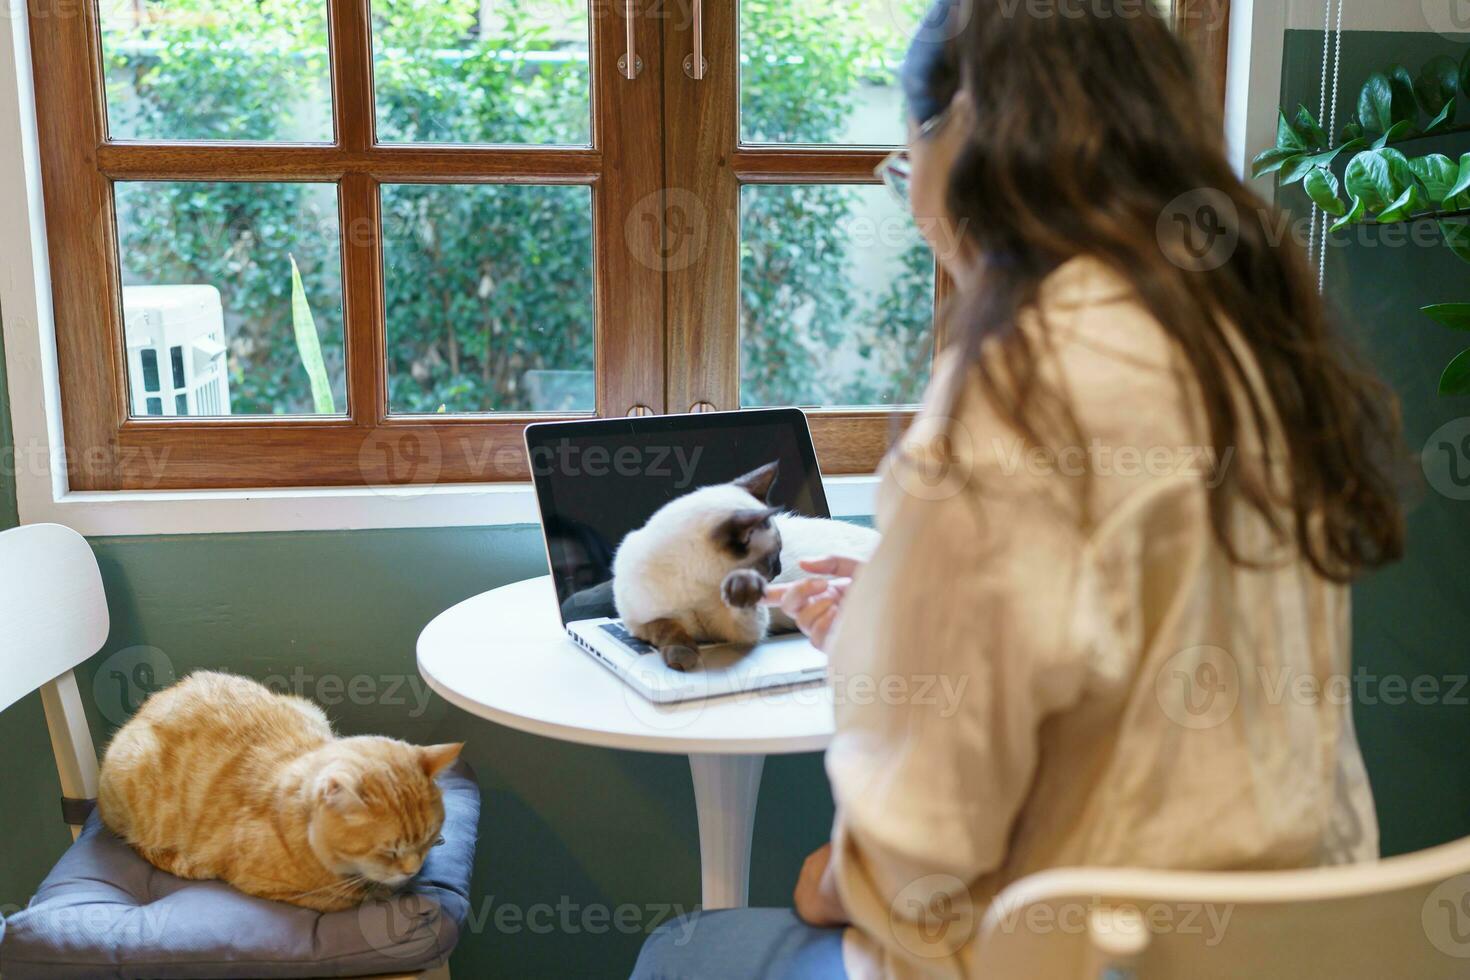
x=335, y=789
x=436, y=758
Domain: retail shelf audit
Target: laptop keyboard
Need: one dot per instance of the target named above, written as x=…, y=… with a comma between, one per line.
x=620, y=633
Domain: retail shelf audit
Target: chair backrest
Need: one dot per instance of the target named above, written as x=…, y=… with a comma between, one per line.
x=52, y=605
x=1401, y=917
x=53, y=616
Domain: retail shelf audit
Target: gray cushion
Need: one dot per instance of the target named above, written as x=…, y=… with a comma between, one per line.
x=105, y=912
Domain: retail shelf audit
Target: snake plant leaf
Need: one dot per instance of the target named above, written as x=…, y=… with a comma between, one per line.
x=1456, y=377
x=1445, y=118
x=1456, y=316
x=1438, y=174
x=1457, y=237
x=1353, y=217
x=1375, y=104
x=309, y=346
x=1406, y=204
x=1322, y=187
x=1437, y=84
x=1308, y=128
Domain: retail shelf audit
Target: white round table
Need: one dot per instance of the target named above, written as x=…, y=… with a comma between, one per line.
x=504, y=655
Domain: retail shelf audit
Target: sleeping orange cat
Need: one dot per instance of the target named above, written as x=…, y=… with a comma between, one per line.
x=220, y=777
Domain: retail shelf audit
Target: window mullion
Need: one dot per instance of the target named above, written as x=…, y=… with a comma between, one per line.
x=352, y=72
x=701, y=214
x=628, y=234
x=353, y=111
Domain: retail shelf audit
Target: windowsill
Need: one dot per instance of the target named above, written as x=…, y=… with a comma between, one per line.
x=122, y=513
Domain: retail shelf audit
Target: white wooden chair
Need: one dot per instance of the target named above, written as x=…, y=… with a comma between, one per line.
x=54, y=615
x=1404, y=917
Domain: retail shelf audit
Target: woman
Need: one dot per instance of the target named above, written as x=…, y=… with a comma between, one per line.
x=1116, y=543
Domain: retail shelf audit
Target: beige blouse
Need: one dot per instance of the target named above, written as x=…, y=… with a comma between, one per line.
x=1019, y=687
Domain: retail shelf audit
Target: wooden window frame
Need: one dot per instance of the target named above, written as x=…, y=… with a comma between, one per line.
x=1205, y=27
x=110, y=450
x=667, y=339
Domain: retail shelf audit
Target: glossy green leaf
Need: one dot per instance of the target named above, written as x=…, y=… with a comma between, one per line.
x=1307, y=127
x=1462, y=182
x=1456, y=316
x=1322, y=187
x=1437, y=84
x=1405, y=108
x=1273, y=160
x=1353, y=217
x=1438, y=174
x=1457, y=237
x=1396, y=132
x=1456, y=377
x=1352, y=131
x=1296, y=168
x=1375, y=104
x=1406, y=204
x=1287, y=135
x=1445, y=119
x=1378, y=177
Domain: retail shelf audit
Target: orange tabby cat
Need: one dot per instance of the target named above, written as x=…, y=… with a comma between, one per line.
x=220, y=777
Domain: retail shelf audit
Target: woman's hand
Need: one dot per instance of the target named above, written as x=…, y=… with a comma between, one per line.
x=812, y=603
x=816, y=899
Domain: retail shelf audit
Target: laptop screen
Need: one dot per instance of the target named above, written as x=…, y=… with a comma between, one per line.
x=598, y=480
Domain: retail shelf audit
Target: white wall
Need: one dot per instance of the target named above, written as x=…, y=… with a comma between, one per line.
x=1373, y=15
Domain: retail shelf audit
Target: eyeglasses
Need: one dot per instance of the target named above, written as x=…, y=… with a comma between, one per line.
x=897, y=168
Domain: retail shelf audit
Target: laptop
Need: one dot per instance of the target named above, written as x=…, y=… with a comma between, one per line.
x=599, y=479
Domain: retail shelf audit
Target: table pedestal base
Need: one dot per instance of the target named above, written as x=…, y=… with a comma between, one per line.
x=725, y=791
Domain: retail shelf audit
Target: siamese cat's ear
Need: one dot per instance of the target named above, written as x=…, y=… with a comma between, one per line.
x=759, y=482
x=733, y=533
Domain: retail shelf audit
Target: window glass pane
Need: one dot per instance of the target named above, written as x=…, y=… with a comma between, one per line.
x=823, y=71
x=232, y=298
x=837, y=298
x=202, y=70
x=489, y=298
x=468, y=71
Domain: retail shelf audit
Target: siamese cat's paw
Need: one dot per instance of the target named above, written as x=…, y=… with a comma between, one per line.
x=743, y=589
x=680, y=658
x=675, y=645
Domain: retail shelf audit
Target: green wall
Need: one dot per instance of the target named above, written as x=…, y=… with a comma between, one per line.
x=599, y=829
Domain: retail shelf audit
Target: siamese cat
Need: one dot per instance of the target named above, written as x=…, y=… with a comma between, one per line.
x=698, y=569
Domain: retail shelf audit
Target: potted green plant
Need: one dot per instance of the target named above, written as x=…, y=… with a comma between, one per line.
x=1383, y=184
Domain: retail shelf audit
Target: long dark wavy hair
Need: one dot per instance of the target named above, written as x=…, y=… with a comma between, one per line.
x=1091, y=122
